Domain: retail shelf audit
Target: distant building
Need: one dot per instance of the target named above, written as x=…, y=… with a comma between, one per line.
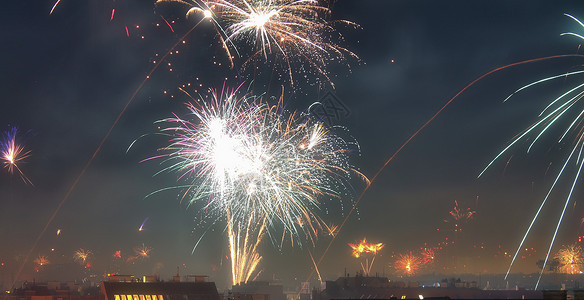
x=363, y=287
x=258, y=290
x=158, y=290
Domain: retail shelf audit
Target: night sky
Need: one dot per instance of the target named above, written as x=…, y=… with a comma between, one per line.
x=66, y=77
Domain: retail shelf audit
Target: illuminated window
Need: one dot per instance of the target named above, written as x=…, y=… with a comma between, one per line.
x=148, y=297
x=136, y=297
x=116, y=297
x=142, y=297
x=160, y=297
x=154, y=297
x=124, y=297
x=403, y=297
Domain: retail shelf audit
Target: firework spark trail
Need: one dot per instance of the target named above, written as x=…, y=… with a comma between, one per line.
x=13, y=153
x=315, y=267
x=55, y=6
x=246, y=161
x=142, y=226
x=557, y=109
x=372, y=180
x=97, y=150
x=244, y=253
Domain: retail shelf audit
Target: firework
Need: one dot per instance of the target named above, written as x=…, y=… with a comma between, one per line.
x=571, y=259
x=428, y=256
x=13, y=153
x=566, y=107
x=289, y=30
x=142, y=252
x=461, y=215
x=366, y=248
x=332, y=230
x=248, y=160
x=81, y=255
x=41, y=260
x=407, y=264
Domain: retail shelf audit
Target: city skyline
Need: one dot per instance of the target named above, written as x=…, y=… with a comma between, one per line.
x=69, y=74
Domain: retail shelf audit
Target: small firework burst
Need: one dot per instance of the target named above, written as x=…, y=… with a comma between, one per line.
x=81, y=256
x=142, y=252
x=291, y=31
x=13, y=153
x=41, y=260
x=428, y=256
x=366, y=248
x=571, y=259
x=407, y=264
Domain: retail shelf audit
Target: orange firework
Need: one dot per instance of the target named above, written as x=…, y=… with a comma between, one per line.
x=461, y=215
x=42, y=261
x=428, y=256
x=407, y=264
x=571, y=259
x=366, y=248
